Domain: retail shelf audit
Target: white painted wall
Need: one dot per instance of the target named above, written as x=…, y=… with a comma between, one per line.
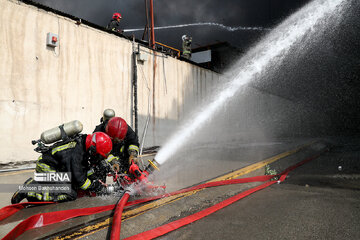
x=90, y=71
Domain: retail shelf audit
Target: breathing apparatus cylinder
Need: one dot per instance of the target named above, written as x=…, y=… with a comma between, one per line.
x=108, y=113
x=55, y=134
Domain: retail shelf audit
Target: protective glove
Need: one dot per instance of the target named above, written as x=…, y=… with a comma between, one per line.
x=116, y=167
x=133, y=159
x=115, y=164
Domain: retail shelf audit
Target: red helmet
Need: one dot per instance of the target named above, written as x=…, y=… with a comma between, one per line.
x=116, y=128
x=116, y=16
x=100, y=143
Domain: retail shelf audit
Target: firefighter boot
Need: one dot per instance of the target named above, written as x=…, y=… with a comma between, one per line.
x=19, y=195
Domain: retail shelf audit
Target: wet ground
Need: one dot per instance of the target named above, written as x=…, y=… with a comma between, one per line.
x=319, y=200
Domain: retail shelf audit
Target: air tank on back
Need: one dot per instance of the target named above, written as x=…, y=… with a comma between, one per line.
x=108, y=113
x=55, y=134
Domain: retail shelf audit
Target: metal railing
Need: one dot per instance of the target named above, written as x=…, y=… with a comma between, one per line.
x=167, y=49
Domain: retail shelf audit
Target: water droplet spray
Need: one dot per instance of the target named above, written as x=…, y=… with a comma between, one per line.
x=271, y=49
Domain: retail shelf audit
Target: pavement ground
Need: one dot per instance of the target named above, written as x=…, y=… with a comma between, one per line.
x=318, y=200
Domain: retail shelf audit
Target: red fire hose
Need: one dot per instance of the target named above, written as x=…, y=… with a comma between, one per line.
x=116, y=223
x=59, y=216
x=8, y=211
x=44, y=219
x=159, y=231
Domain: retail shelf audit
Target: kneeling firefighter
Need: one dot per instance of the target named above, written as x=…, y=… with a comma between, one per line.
x=124, y=139
x=72, y=155
x=123, y=157
x=126, y=150
x=107, y=115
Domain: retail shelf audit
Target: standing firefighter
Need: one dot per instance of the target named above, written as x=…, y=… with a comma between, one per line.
x=73, y=156
x=186, y=45
x=114, y=24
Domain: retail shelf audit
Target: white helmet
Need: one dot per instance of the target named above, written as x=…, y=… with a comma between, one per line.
x=108, y=113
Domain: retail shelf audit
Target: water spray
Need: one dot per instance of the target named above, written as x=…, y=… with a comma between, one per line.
x=228, y=28
x=270, y=50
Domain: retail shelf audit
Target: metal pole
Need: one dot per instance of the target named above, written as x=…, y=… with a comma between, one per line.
x=146, y=30
x=152, y=38
x=134, y=86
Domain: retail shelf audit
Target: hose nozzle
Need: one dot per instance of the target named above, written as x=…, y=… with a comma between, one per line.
x=153, y=165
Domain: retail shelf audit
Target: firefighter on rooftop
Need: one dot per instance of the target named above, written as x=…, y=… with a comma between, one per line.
x=186, y=45
x=114, y=24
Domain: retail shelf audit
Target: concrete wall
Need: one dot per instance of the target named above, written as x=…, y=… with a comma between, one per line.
x=90, y=71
